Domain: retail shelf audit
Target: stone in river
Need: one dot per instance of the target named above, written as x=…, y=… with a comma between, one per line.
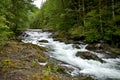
x=89, y=56
x=44, y=41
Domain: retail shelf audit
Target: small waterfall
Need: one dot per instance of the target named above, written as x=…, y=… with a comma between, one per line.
x=66, y=53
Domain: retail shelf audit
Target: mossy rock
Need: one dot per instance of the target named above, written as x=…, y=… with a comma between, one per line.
x=88, y=55
x=115, y=51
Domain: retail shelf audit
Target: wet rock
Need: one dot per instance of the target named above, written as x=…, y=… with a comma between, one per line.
x=78, y=42
x=115, y=51
x=44, y=41
x=105, y=49
x=88, y=55
x=76, y=46
x=71, y=70
x=96, y=46
x=25, y=35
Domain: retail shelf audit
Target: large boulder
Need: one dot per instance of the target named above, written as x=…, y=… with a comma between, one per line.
x=88, y=55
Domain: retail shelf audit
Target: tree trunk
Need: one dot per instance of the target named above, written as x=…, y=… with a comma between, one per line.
x=83, y=6
x=78, y=17
x=100, y=16
x=113, y=10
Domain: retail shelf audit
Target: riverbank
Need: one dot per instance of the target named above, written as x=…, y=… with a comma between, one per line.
x=19, y=61
x=23, y=61
x=26, y=61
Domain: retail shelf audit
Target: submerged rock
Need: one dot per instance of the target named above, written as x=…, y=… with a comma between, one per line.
x=88, y=55
x=79, y=42
x=71, y=70
x=76, y=46
x=25, y=35
x=44, y=41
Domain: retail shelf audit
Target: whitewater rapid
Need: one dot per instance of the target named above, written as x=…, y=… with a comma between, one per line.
x=66, y=53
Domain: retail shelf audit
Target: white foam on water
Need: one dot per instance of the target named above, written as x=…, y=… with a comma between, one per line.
x=66, y=53
x=43, y=64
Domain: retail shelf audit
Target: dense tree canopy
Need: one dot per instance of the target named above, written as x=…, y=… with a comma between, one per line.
x=14, y=16
x=94, y=19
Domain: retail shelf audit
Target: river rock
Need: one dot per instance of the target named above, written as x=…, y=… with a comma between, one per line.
x=95, y=46
x=88, y=55
x=44, y=41
x=79, y=42
x=71, y=70
x=25, y=35
x=76, y=46
x=115, y=51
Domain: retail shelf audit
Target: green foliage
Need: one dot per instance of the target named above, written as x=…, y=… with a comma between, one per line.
x=5, y=32
x=4, y=64
x=96, y=20
x=92, y=27
x=47, y=72
x=54, y=16
x=92, y=35
x=15, y=15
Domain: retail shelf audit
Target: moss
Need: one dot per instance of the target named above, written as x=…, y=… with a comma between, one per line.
x=19, y=61
x=56, y=68
x=8, y=63
x=44, y=77
x=18, y=57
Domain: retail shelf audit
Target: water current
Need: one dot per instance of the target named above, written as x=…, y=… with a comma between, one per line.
x=67, y=53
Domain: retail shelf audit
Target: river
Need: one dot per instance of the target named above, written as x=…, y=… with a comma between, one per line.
x=67, y=53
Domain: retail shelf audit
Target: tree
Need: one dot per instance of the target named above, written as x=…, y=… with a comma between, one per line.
x=14, y=16
x=100, y=16
x=113, y=11
x=83, y=12
x=95, y=20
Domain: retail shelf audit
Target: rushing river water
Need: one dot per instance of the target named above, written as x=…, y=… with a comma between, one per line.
x=66, y=53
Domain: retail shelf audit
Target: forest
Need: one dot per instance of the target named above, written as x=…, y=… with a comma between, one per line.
x=89, y=20
x=15, y=16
